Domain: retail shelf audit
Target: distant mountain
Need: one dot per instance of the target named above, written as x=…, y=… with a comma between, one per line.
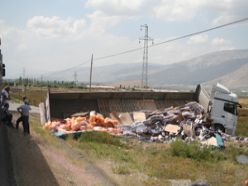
x=236, y=79
x=202, y=69
x=229, y=67
x=107, y=74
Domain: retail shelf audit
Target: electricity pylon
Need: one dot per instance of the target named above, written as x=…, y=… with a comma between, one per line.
x=146, y=39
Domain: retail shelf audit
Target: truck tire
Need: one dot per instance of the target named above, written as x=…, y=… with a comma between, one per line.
x=218, y=127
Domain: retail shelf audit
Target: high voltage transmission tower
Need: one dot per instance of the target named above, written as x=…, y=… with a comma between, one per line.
x=146, y=39
x=75, y=78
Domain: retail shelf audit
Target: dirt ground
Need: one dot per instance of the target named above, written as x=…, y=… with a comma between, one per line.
x=37, y=162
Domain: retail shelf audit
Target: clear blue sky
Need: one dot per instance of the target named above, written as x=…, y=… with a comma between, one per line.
x=45, y=35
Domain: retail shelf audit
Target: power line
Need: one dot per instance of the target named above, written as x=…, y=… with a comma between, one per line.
x=157, y=44
x=174, y=39
x=49, y=74
x=200, y=32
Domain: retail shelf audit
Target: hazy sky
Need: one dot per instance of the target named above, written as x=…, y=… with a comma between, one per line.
x=48, y=35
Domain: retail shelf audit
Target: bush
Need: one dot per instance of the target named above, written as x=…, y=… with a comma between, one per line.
x=196, y=152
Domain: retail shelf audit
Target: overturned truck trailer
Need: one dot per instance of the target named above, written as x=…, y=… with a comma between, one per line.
x=60, y=105
x=220, y=106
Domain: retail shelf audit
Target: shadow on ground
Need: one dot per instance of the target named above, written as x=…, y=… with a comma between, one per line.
x=29, y=165
x=6, y=171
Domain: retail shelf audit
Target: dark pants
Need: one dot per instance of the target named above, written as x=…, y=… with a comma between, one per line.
x=26, y=125
x=20, y=119
x=7, y=118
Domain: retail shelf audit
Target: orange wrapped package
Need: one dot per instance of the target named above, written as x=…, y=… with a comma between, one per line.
x=95, y=121
x=52, y=124
x=108, y=122
x=77, y=123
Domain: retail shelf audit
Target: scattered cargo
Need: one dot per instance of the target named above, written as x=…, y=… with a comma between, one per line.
x=220, y=106
x=151, y=116
x=187, y=122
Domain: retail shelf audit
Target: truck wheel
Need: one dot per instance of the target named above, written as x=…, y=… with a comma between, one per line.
x=218, y=127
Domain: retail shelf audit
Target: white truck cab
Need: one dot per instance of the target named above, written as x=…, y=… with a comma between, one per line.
x=221, y=107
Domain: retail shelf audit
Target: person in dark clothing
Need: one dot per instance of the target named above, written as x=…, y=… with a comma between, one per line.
x=7, y=116
x=24, y=110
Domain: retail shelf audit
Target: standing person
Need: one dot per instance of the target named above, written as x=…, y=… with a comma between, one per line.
x=20, y=119
x=5, y=115
x=24, y=110
x=4, y=95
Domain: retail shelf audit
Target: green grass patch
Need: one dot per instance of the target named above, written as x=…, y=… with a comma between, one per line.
x=103, y=145
x=196, y=152
x=101, y=137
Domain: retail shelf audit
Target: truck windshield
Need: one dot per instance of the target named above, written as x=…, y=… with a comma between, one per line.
x=231, y=108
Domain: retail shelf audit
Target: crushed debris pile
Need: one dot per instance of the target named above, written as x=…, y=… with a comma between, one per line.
x=187, y=122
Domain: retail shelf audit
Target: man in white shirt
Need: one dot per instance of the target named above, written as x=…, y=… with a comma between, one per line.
x=24, y=110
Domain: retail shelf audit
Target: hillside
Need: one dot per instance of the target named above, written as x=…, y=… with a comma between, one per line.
x=229, y=67
x=236, y=79
x=204, y=69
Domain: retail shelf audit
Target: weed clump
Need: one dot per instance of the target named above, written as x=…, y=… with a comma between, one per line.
x=101, y=137
x=121, y=169
x=196, y=152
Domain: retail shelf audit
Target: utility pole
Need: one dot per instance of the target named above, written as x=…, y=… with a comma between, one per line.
x=75, y=78
x=23, y=81
x=41, y=79
x=146, y=39
x=91, y=65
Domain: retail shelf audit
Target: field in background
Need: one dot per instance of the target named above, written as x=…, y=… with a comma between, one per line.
x=242, y=127
x=35, y=95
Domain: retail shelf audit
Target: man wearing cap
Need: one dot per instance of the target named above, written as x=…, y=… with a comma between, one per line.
x=24, y=110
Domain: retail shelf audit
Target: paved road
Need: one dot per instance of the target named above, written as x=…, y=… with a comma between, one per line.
x=6, y=169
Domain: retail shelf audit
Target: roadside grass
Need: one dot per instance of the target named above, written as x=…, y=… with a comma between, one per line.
x=161, y=162
x=121, y=169
x=102, y=145
x=242, y=126
x=197, y=152
x=156, y=160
